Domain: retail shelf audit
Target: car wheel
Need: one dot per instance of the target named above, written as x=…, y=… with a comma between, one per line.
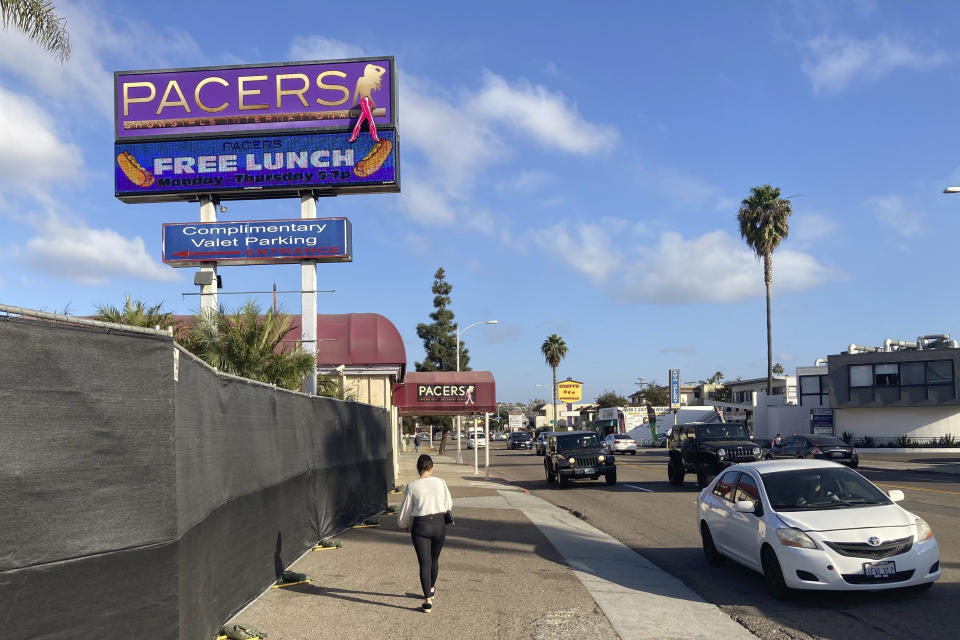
x=709, y=549
x=611, y=478
x=773, y=575
x=675, y=472
x=800, y=456
x=550, y=478
x=633, y=453
x=562, y=480
x=703, y=477
x=854, y=465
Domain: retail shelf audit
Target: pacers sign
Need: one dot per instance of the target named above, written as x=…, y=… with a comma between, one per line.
x=569, y=391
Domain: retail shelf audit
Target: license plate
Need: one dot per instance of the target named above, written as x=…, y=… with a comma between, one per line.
x=583, y=472
x=883, y=569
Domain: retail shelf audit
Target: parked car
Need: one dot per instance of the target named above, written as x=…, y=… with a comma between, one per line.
x=822, y=447
x=812, y=524
x=619, y=443
x=706, y=449
x=541, y=442
x=520, y=440
x=577, y=455
x=476, y=439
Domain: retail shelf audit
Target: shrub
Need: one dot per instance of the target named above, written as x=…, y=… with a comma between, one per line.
x=947, y=440
x=866, y=442
x=902, y=442
x=847, y=437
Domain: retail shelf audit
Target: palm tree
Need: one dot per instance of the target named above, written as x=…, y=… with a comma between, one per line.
x=37, y=19
x=247, y=344
x=135, y=313
x=763, y=219
x=554, y=350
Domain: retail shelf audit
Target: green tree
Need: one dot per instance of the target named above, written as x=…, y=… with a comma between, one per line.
x=655, y=395
x=610, y=399
x=248, y=344
x=778, y=369
x=722, y=394
x=38, y=19
x=135, y=313
x=554, y=349
x=763, y=218
x=440, y=345
x=716, y=378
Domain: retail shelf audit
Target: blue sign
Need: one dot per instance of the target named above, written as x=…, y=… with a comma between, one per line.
x=674, y=388
x=277, y=166
x=188, y=244
x=821, y=421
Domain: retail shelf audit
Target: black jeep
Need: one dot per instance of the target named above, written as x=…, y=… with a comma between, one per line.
x=578, y=455
x=706, y=449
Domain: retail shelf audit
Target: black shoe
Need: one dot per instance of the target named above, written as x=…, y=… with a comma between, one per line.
x=427, y=607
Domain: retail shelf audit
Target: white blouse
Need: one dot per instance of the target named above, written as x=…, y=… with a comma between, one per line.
x=423, y=497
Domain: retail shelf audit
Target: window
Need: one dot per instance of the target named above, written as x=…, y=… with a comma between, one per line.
x=940, y=372
x=912, y=373
x=886, y=375
x=861, y=375
x=725, y=485
x=747, y=490
x=809, y=385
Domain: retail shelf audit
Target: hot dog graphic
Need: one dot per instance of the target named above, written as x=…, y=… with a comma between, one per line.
x=372, y=162
x=134, y=172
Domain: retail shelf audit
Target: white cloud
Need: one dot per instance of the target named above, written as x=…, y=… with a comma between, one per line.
x=716, y=267
x=425, y=204
x=73, y=251
x=33, y=154
x=94, y=35
x=892, y=212
x=586, y=248
x=545, y=116
x=526, y=181
x=833, y=63
x=320, y=48
x=807, y=228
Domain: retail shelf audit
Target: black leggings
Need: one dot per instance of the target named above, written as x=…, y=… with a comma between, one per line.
x=428, y=534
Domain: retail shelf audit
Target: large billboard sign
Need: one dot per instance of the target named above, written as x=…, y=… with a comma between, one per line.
x=254, y=99
x=276, y=166
x=188, y=244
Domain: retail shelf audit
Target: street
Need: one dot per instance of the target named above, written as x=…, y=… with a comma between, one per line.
x=658, y=520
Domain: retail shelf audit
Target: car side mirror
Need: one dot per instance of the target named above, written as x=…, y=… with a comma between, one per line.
x=744, y=506
x=895, y=494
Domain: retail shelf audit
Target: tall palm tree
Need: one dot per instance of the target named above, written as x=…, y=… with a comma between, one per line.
x=554, y=350
x=39, y=21
x=763, y=219
x=247, y=344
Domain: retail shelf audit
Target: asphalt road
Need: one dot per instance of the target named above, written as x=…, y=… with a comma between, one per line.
x=658, y=520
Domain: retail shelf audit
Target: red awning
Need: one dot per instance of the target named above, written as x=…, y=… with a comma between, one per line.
x=362, y=339
x=446, y=393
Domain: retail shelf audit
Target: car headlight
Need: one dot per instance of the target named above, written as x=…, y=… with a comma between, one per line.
x=721, y=453
x=601, y=458
x=793, y=537
x=572, y=461
x=756, y=451
x=924, y=532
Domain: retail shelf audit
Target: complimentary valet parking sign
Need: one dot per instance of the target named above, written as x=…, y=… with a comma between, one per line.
x=257, y=242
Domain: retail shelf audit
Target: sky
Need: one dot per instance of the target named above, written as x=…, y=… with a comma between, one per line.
x=575, y=168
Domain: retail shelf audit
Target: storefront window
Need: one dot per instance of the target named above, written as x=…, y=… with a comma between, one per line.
x=912, y=373
x=940, y=372
x=887, y=375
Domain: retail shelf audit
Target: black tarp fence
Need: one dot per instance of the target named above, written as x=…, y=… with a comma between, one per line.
x=142, y=494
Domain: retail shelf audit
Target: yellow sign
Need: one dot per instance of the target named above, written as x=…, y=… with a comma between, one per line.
x=569, y=391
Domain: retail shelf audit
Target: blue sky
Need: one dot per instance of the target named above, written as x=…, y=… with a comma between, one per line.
x=575, y=168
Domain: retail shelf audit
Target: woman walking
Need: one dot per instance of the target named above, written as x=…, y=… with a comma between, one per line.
x=426, y=502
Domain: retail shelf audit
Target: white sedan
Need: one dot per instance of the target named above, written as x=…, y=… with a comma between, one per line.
x=811, y=524
x=476, y=440
x=620, y=443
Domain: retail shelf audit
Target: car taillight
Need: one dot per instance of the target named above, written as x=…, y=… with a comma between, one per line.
x=815, y=450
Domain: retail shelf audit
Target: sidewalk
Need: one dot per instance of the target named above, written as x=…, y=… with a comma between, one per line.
x=513, y=566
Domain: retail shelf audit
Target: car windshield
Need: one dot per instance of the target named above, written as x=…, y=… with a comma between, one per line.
x=820, y=488
x=578, y=441
x=724, y=431
x=622, y=436
x=521, y=436
x=821, y=441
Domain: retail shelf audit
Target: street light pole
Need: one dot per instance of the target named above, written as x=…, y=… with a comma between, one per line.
x=459, y=452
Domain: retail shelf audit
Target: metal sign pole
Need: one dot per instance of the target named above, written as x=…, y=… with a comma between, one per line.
x=486, y=429
x=208, y=292
x=476, y=445
x=308, y=301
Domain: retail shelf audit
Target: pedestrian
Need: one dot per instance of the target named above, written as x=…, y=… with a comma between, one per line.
x=777, y=440
x=424, y=512
x=416, y=443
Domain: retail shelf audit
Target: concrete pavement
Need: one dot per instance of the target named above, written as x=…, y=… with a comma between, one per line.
x=513, y=566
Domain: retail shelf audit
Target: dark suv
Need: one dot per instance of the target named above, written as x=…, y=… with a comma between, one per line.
x=706, y=449
x=519, y=440
x=577, y=454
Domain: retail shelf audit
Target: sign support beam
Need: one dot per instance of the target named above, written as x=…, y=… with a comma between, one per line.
x=308, y=301
x=208, y=297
